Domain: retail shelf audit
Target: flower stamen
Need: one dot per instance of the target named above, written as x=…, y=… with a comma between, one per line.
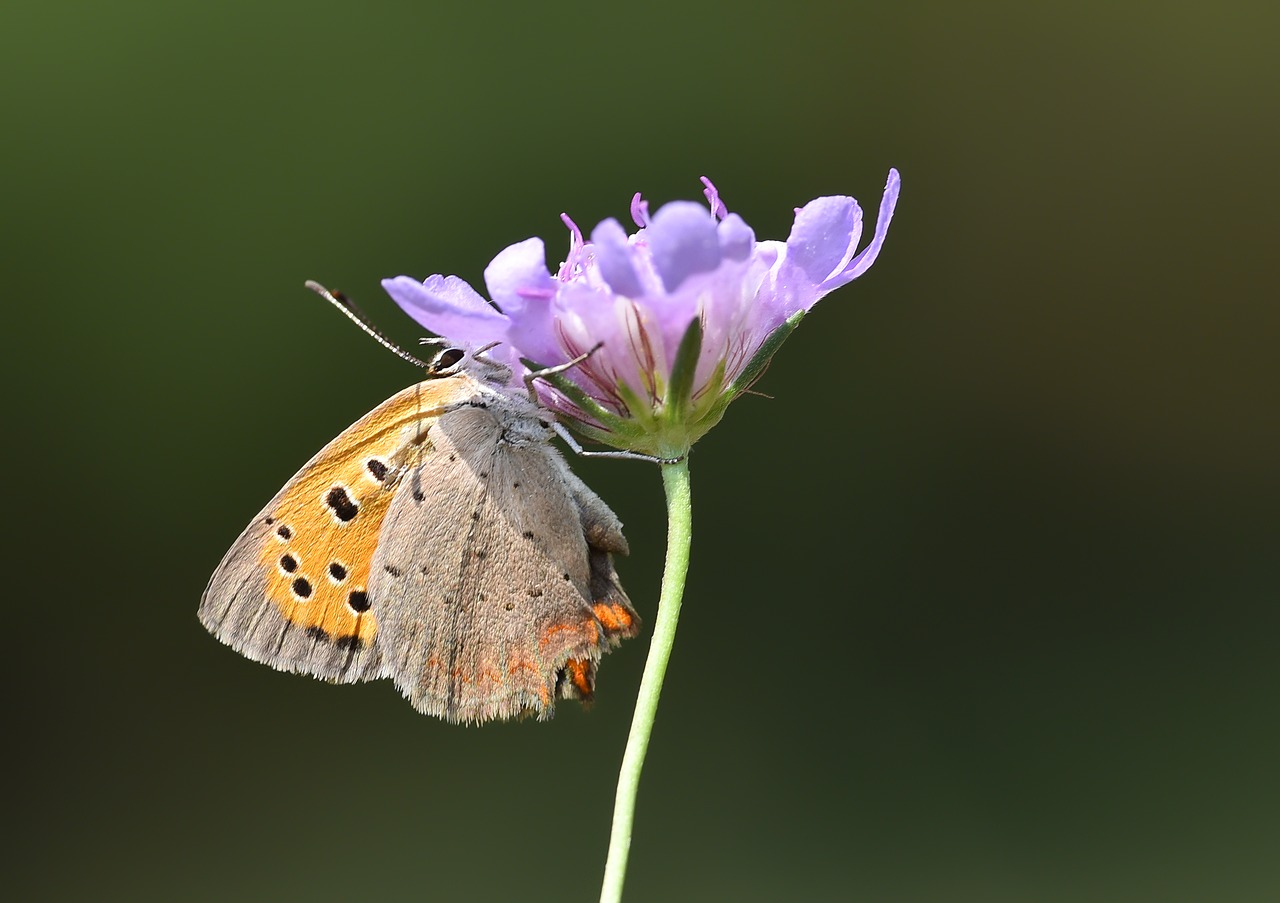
x=571, y=266
x=713, y=198
x=640, y=211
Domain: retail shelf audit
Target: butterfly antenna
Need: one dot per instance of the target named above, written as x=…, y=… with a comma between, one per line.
x=357, y=316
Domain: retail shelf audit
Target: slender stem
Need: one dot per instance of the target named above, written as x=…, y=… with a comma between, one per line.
x=675, y=480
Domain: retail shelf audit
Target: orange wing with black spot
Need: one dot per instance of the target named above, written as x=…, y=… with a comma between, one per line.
x=441, y=542
x=293, y=591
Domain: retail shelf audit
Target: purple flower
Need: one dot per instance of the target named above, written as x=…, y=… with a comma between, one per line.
x=687, y=311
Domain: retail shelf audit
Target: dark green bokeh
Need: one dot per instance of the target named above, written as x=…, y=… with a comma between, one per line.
x=982, y=605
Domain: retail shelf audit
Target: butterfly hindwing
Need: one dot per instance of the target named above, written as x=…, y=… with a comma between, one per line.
x=486, y=573
x=603, y=532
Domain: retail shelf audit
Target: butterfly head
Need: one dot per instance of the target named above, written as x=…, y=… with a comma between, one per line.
x=453, y=359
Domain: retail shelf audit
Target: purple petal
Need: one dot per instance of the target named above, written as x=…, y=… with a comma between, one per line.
x=783, y=290
x=726, y=303
x=448, y=307
x=613, y=256
x=534, y=334
x=683, y=241
x=517, y=273
x=737, y=241
x=630, y=339
x=824, y=237
x=863, y=261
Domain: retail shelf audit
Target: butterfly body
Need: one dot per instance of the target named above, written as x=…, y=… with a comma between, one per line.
x=440, y=542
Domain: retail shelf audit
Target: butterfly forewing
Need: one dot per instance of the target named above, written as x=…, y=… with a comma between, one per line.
x=439, y=541
x=293, y=591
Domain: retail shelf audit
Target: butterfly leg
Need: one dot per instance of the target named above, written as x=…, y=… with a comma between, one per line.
x=530, y=378
x=577, y=448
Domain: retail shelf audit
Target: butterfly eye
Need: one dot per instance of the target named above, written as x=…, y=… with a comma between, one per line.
x=447, y=358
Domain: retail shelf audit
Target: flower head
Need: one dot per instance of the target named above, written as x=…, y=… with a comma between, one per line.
x=683, y=314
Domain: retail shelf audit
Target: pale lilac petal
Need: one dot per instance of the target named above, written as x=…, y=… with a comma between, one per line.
x=725, y=300
x=613, y=255
x=737, y=241
x=534, y=333
x=631, y=345
x=683, y=241
x=674, y=311
x=517, y=273
x=860, y=264
x=439, y=293
x=824, y=237
x=520, y=284
x=448, y=307
x=782, y=289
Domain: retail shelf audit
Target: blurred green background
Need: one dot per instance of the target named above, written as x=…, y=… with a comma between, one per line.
x=983, y=603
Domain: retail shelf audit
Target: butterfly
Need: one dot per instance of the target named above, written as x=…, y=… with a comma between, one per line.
x=440, y=542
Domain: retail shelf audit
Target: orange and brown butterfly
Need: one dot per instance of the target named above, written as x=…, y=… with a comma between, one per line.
x=439, y=541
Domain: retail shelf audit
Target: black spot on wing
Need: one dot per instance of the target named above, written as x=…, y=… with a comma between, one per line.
x=340, y=503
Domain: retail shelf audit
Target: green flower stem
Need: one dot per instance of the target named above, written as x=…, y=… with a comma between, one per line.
x=675, y=480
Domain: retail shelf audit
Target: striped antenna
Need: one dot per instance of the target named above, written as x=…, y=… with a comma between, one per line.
x=357, y=316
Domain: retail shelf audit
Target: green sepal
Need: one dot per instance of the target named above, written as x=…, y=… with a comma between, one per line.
x=710, y=393
x=755, y=367
x=679, y=395
x=638, y=409
x=588, y=405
